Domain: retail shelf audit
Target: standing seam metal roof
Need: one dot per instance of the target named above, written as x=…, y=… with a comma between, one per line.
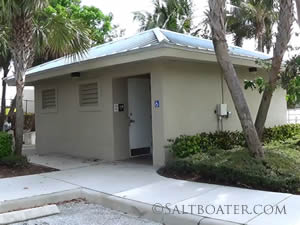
x=143, y=40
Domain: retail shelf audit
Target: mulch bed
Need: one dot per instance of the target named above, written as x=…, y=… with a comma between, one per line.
x=199, y=179
x=31, y=169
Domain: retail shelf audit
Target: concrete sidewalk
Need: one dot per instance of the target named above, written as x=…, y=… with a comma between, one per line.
x=138, y=186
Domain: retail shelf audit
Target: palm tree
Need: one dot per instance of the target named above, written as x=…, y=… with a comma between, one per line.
x=238, y=25
x=286, y=19
x=32, y=30
x=5, y=59
x=253, y=18
x=174, y=15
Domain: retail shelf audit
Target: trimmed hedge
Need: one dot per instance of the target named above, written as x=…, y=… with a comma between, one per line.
x=281, y=133
x=184, y=145
x=5, y=144
x=279, y=171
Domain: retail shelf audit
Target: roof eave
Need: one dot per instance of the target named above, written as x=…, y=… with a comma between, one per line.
x=149, y=52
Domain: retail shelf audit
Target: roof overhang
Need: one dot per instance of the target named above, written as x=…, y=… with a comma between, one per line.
x=163, y=50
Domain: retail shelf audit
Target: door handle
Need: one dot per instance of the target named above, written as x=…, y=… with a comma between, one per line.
x=132, y=121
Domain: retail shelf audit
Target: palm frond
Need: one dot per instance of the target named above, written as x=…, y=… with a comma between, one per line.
x=175, y=15
x=58, y=36
x=5, y=54
x=14, y=8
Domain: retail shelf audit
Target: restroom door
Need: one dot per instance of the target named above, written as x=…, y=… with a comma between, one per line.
x=139, y=109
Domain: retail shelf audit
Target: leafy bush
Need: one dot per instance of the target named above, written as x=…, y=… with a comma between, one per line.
x=14, y=161
x=279, y=171
x=184, y=145
x=5, y=144
x=227, y=140
x=281, y=133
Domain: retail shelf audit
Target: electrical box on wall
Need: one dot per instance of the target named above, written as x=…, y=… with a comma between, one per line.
x=222, y=110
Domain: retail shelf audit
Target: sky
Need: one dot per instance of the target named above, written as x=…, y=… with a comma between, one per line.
x=123, y=16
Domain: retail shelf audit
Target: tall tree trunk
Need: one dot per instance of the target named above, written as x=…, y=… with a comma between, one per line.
x=23, y=55
x=238, y=41
x=3, y=98
x=260, y=45
x=283, y=37
x=19, y=116
x=217, y=16
x=260, y=36
x=298, y=11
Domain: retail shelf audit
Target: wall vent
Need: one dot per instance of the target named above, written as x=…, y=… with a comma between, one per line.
x=88, y=94
x=49, y=99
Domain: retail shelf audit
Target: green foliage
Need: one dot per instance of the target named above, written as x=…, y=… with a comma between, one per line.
x=258, y=83
x=14, y=161
x=66, y=19
x=5, y=144
x=98, y=23
x=290, y=79
x=293, y=92
x=185, y=145
x=53, y=34
x=238, y=25
x=249, y=19
x=279, y=171
x=174, y=15
x=281, y=133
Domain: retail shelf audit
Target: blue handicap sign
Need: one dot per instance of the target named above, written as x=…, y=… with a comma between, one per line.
x=156, y=103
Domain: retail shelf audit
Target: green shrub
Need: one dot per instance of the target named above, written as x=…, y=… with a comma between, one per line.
x=184, y=145
x=279, y=171
x=5, y=144
x=227, y=139
x=14, y=161
x=281, y=133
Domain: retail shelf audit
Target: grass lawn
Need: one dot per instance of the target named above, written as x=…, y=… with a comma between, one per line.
x=278, y=171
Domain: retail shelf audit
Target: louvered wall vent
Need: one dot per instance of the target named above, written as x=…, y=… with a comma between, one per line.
x=49, y=99
x=88, y=94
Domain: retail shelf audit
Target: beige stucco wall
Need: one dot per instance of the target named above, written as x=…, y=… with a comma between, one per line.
x=70, y=130
x=188, y=93
x=278, y=109
x=191, y=92
x=96, y=133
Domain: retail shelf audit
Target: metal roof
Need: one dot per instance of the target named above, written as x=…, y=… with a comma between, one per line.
x=143, y=40
x=204, y=44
